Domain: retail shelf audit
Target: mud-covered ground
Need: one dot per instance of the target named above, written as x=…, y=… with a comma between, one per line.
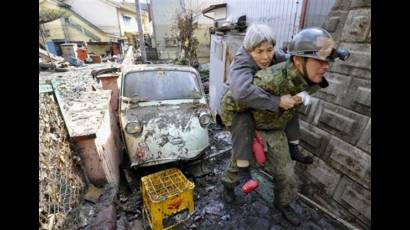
x=252, y=211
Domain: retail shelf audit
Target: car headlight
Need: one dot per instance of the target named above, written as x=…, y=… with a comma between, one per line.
x=134, y=127
x=205, y=119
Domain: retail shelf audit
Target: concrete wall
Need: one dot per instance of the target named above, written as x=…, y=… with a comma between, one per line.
x=204, y=46
x=165, y=25
x=317, y=11
x=202, y=32
x=164, y=15
x=98, y=12
x=89, y=114
x=336, y=128
x=101, y=152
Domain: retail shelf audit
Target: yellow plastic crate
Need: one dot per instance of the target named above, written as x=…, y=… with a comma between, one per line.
x=167, y=198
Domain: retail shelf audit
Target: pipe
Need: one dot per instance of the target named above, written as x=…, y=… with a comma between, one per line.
x=302, y=18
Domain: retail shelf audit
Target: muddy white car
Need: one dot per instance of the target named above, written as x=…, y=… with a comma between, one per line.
x=164, y=115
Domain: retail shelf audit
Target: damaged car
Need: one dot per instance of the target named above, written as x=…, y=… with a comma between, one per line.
x=164, y=115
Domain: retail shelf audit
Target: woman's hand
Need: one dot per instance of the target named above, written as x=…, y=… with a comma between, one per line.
x=297, y=99
x=287, y=102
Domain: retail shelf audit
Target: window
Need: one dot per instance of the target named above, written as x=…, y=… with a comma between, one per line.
x=171, y=42
x=162, y=85
x=127, y=20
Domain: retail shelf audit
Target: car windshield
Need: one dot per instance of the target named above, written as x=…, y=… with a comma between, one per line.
x=162, y=85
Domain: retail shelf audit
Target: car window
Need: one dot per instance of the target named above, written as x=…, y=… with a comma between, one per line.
x=162, y=85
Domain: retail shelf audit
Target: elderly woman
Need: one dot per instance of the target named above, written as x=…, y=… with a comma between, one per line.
x=256, y=53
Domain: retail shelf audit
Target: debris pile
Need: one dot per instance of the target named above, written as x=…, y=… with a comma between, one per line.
x=53, y=63
x=96, y=211
x=252, y=211
x=81, y=98
x=203, y=70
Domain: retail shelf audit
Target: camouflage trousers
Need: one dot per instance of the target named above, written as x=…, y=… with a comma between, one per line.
x=278, y=164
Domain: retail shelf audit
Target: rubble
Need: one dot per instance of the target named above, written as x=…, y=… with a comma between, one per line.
x=81, y=98
x=105, y=219
x=203, y=67
x=204, y=73
x=95, y=215
x=247, y=212
x=93, y=194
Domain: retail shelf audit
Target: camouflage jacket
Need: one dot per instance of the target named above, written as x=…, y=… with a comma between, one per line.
x=240, y=76
x=280, y=79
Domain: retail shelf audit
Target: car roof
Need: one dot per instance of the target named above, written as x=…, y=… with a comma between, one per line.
x=154, y=67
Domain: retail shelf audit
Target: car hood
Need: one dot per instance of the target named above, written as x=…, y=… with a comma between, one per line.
x=170, y=132
x=164, y=115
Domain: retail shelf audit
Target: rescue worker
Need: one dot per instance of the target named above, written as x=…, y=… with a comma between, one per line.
x=257, y=53
x=310, y=51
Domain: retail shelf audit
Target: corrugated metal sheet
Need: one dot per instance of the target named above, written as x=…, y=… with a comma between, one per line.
x=216, y=72
x=282, y=15
x=317, y=11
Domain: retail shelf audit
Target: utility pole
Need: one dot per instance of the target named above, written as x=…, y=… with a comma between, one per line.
x=140, y=31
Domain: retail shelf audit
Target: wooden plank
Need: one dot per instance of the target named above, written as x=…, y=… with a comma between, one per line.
x=60, y=104
x=45, y=88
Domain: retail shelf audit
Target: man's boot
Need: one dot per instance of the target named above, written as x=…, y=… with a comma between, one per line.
x=289, y=214
x=228, y=194
x=296, y=155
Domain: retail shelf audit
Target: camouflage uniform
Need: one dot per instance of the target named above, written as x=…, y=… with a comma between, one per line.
x=278, y=164
x=279, y=80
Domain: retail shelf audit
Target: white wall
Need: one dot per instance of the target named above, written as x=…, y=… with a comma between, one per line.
x=131, y=27
x=164, y=13
x=164, y=19
x=216, y=72
x=98, y=13
x=197, y=6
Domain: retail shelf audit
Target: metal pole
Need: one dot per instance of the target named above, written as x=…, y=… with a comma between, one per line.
x=140, y=31
x=302, y=18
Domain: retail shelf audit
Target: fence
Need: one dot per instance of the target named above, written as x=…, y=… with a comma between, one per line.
x=61, y=179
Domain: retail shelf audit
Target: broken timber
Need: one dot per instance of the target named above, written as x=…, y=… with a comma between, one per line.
x=212, y=155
